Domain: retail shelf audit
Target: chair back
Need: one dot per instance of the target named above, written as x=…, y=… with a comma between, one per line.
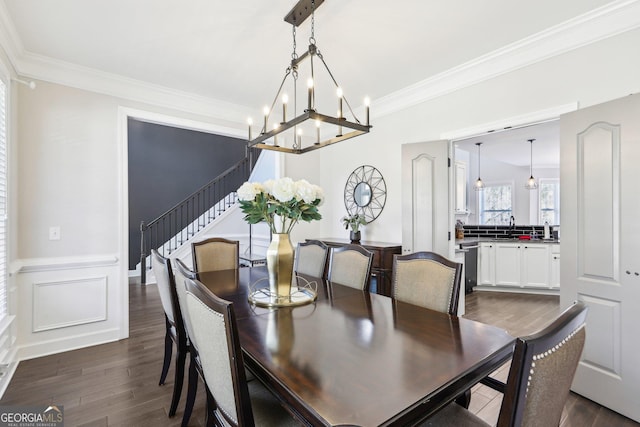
x=215, y=254
x=182, y=273
x=428, y=280
x=311, y=258
x=350, y=265
x=542, y=370
x=168, y=295
x=214, y=327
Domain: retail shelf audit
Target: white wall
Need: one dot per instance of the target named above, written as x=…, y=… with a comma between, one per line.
x=590, y=75
x=69, y=171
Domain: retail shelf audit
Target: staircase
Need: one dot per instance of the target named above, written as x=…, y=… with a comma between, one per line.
x=177, y=225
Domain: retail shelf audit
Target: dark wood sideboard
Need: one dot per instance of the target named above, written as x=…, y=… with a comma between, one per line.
x=382, y=260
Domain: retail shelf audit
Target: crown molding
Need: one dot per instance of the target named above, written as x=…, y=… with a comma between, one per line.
x=607, y=21
x=612, y=19
x=52, y=70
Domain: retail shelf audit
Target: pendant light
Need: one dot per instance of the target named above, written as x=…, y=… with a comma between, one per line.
x=479, y=184
x=531, y=182
x=310, y=129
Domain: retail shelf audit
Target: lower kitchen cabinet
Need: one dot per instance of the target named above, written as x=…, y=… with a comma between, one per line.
x=486, y=263
x=522, y=264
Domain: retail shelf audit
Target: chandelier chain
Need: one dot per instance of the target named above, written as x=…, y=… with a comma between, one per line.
x=294, y=55
x=312, y=39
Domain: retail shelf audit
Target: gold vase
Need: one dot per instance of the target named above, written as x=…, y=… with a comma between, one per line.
x=280, y=264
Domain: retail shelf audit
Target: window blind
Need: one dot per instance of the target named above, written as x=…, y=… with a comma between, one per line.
x=3, y=198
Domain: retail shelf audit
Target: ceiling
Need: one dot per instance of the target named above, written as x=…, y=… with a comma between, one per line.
x=237, y=51
x=512, y=145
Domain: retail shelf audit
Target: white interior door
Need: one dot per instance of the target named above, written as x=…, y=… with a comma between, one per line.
x=426, y=211
x=600, y=263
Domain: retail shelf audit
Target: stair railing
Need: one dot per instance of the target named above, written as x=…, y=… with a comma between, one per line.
x=174, y=227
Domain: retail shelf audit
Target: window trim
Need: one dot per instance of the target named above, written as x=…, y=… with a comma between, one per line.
x=556, y=209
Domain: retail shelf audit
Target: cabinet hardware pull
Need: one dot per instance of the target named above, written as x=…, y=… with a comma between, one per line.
x=628, y=272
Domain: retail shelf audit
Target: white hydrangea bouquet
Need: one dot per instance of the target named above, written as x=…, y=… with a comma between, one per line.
x=281, y=203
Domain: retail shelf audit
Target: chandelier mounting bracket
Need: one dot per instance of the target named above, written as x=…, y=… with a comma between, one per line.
x=301, y=11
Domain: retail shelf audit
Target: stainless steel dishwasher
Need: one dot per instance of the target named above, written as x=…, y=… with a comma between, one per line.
x=470, y=266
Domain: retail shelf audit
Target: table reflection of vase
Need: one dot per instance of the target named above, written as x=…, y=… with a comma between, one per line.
x=280, y=334
x=280, y=264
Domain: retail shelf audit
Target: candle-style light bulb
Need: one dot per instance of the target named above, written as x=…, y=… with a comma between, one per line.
x=340, y=96
x=265, y=110
x=275, y=137
x=367, y=102
x=249, y=123
x=310, y=94
x=299, y=138
x=318, y=123
x=285, y=100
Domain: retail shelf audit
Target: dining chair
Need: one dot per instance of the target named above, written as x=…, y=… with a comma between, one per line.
x=215, y=253
x=231, y=400
x=182, y=273
x=350, y=265
x=540, y=377
x=175, y=331
x=427, y=279
x=311, y=258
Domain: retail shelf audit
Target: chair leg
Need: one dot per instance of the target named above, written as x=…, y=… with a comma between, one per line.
x=210, y=420
x=191, y=392
x=168, y=349
x=464, y=399
x=177, y=385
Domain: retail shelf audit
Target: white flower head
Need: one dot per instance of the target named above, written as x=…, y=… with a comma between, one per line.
x=248, y=191
x=284, y=189
x=319, y=194
x=268, y=186
x=305, y=191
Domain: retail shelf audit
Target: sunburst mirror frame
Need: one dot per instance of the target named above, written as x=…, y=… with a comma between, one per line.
x=365, y=193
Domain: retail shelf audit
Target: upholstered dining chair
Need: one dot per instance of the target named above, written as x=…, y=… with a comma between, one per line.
x=182, y=273
x=175, y=331
x=311, y=258
x=215, y=253
x=231, y=400
x=541, y=373
x=350, y=265
x=427, y=279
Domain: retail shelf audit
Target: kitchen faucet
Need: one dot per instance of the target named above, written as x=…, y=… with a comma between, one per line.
x=512, y=225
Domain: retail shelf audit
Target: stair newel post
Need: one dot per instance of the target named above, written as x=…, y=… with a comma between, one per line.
x=143, y=256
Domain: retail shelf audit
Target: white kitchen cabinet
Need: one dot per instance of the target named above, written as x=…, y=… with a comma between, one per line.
x=486, y=264
x=508, y=264
x=536, y=265
x=555, y=266
x=518, y=264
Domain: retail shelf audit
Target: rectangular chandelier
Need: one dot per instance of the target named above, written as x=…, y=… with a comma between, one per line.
x=309, y=129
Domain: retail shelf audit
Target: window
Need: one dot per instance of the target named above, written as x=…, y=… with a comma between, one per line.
x=3, y=197
x=496, y=204
x=549, y=193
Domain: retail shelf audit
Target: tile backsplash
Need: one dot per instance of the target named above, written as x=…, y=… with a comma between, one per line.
x=497, y=231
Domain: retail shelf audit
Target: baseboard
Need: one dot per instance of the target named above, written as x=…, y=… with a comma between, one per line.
x=7, y=376
x=46, y=348
x=514, y=290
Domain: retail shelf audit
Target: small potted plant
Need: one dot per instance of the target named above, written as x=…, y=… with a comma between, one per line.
x=354, y=222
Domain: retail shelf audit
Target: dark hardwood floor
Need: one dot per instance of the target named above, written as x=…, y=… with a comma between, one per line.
x=116, y=384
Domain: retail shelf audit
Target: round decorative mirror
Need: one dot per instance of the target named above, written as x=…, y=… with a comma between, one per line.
x=365, y=193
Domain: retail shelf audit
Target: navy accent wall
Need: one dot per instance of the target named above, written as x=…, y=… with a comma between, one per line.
x=166, y=164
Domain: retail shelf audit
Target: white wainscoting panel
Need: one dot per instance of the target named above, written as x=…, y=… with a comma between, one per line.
x=55, y=304
x=69, y=302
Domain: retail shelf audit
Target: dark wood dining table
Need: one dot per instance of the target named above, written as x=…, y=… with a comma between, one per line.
x=358, y=358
